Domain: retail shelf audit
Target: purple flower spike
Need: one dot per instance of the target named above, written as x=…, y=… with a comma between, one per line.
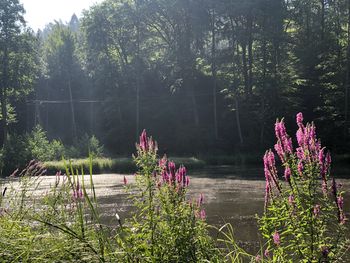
x=276, y=238
x=325, y=251
x=300, y=168
x=187, y=181
x=300, y=119
x=144, y=141
x=202, y=214
x=291, y=200
x=200, y=200
x=287, y=174
x=340, y=201
x=267, y=253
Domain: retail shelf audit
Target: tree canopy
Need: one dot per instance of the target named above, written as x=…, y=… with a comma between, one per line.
x=199, y=74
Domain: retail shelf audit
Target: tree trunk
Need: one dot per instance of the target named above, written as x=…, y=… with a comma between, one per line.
x=213, y=71
x=263, y=86
x=250, y=53
x=347, y=82
x=322, y=19
x=245, y=68
x=137, y=71
x=3, y=97
x=238, y=121
x=235, y=83
x=74, y=126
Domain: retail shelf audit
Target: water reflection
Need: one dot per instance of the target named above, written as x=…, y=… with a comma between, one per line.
x=227, y=197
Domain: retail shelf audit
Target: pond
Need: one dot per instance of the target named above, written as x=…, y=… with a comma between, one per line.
x=232, y=194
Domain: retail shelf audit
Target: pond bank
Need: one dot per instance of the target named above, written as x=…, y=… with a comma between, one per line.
x=125, y=165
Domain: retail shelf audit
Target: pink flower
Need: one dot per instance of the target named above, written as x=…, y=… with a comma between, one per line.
x=300, y=168
x=291, y=200
x=340, y=201
x=267, y=253
x=200, y=200
x=187, y=181
x=143, y=141
x=300, y=137
x=325, y=251
x=162, y=162
x=287, y=174
x=276, y=238
x=300, y=119
x=202, y=214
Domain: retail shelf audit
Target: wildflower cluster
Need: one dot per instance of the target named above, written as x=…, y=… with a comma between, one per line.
x=167, y=226
x=304, y=218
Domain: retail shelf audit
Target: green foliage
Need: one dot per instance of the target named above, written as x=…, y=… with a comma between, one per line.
x=64, y=224
x=304, y=219
x=15, y=154
x=89, y=145
x=18, y=64
x=166, y=227
x=40, y=148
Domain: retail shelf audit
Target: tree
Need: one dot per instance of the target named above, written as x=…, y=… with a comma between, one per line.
x=64, y=79
x=17, y=60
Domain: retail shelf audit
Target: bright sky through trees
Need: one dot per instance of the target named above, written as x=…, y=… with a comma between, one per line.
x=41, y=12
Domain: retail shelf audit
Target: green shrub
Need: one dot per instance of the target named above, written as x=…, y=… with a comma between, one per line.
x=86, y=145
x=15, y=153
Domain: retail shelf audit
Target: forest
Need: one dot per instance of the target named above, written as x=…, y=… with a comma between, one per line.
x=201, y=76
x=216, y=83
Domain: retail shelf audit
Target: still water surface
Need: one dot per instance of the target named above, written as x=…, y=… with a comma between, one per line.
x=232, y=194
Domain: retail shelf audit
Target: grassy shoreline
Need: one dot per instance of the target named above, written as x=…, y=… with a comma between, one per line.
x=126, y=164
x=113, y=165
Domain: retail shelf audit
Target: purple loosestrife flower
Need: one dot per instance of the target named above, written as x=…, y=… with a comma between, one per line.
x=187, y=181
x=342, y=218
x=162, y=162
x=291, y=200
x=144, y=141
x=301, y=154
x=340, y=201
x=300, y=168
x=270, y=169
x=300, y=137
x=200, y=200
x=258, y=258
x=77, y=192
x=147, y=144
x=276, y=238
x=283, y=139
x=287, y=174
x=267, y=253
x=202, y=214
x=279, y=150
x=300, y=119
x=325, y=251
x=171, y=168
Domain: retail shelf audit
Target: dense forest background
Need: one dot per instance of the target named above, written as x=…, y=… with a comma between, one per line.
x=202, y=76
